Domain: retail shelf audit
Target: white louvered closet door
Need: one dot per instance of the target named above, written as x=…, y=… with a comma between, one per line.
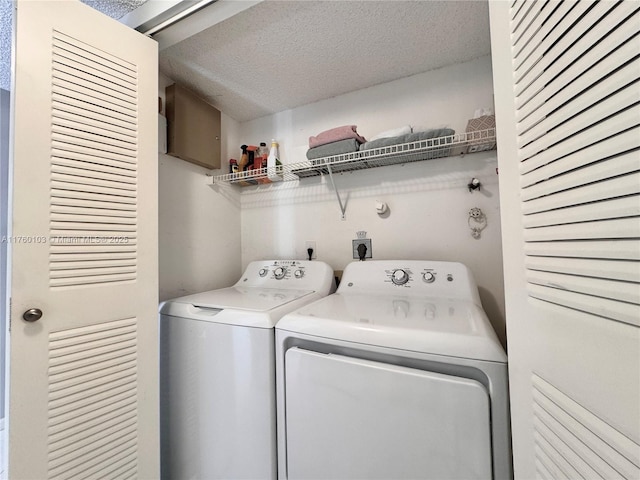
x=567, y=92
x=83, y=379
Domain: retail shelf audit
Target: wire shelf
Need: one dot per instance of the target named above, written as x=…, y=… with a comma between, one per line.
x=439, y=147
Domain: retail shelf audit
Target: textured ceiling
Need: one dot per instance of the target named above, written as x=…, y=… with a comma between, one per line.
x=6, y=19
x=113, y=8
x=279, y=55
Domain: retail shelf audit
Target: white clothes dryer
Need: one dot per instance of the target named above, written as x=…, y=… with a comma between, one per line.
x=398, y=375
x=217, y=371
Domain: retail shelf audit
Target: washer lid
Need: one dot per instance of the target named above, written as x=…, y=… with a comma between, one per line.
x=244, y=298
x=443, y=327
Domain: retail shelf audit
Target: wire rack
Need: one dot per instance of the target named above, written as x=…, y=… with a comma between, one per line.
x=429, y=149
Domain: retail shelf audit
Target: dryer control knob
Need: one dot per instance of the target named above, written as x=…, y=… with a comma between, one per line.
x=428, y=277
x=299, y=273
x=279, y=273
x=399, y=277
x=263, y=272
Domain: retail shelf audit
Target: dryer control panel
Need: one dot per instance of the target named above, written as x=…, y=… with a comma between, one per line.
x=410, y=278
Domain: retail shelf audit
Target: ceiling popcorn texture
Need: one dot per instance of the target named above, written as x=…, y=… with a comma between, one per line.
x=279, y=55
x=6, y=19
x=114, y=8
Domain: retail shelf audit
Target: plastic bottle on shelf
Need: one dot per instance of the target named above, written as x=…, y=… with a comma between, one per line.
x=244, y=159
x=263, y=151
x=233, y=166
x=274, y=167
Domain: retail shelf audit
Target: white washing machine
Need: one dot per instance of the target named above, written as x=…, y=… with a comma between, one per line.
x=217, y=371
x=398, y=375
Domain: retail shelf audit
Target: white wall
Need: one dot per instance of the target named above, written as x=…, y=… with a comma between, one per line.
x=199, y=227
x=429, y=200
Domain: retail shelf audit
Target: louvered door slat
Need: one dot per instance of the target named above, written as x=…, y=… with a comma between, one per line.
x=71, y=59
x=611, y=249
x=71, y=456
x=82, y=434
x=544, y=137
x=111, y=63
x=61, y=252
x=62, y=259
x=555, y=46
x=609, y=128
x=87, y=179
x=63, y=83
x=597, y=162
x=551, y=13
x=114, y=220
x=609, y=54
x=548, y=469
x=89, y=196
x=596, y=46
x=66, y=117
x=603, y=210
x=73, y=137
x=609, y=436
x=110, y=262
x=70, y=123
x=525, y=18
x=601, y=468
x=94, y=163
x=83, y=169
x=115, y=390
x=587, y=267
x=67, y=102
x=561, y=450
x=591, y=192
x=122, y=469
x=125, y=447
x=516, y=5
x=602, y=307
x=90, y=272
x=609, y=289
x=63, y=147
x=551, y=39
x=99, y=212
x=622, y=467
x=547, y=117
x=65, y=371
x=616, y=228
x=83, y=75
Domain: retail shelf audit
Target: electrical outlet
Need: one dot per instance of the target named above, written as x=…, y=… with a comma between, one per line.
x=309, y=244
x=358, y=241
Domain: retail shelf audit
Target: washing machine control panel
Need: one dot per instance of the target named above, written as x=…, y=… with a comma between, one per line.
x=297, y=274
x=406, y=277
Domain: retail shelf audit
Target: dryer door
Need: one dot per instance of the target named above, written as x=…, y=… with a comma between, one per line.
x=353, y=418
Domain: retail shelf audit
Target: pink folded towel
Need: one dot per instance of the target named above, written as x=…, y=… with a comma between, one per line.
x=335, y=135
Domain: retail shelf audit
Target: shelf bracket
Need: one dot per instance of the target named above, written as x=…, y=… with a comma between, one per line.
x=343, y=206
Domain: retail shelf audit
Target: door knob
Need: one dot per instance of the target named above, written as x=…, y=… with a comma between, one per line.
x=32, y=315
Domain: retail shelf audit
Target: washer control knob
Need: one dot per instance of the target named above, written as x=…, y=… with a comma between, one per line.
x=399, y=277
x=279, y=273
x=263, y=272
x=299, y=273
x=428, y=277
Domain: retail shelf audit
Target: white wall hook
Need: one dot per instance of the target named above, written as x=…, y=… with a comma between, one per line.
x=381, y=207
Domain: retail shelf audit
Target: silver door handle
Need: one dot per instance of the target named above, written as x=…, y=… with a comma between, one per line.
x=32, y=315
